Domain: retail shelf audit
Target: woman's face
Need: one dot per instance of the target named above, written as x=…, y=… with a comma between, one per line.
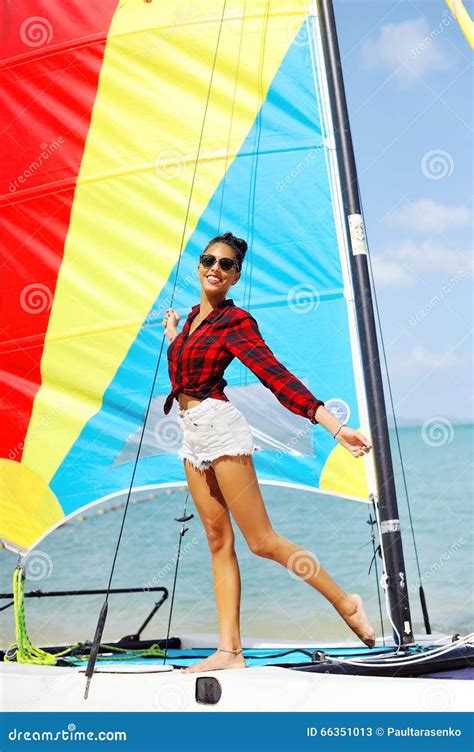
x=215, y=280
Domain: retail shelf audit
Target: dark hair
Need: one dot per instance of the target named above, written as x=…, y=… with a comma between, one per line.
x=238, y=245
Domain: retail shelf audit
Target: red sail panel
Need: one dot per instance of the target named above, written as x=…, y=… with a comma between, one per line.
x=49, y=71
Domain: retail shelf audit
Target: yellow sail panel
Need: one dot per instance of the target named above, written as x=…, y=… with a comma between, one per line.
x=344, y=475
x=28, y=506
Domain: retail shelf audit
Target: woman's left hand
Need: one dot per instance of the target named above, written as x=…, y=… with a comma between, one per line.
x=353, y=441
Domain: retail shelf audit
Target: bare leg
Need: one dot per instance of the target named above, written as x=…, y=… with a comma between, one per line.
x=239, y=485
x=214, y=514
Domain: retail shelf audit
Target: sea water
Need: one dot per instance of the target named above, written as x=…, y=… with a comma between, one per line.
x=275, y=603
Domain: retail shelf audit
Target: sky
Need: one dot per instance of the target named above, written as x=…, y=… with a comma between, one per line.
x=408, y=76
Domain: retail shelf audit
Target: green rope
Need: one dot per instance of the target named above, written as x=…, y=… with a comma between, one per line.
x=27, y=652
x=154, y=651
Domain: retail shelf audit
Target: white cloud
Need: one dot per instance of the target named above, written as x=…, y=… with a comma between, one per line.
x=387, y=273
x=419, y=359
x=421, y=356
x=408, y=48
x=400, y=266
x=427, y=216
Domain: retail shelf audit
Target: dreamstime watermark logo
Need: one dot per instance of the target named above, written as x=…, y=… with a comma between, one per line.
x=300, y=167
x=437, y=164
x=437, y=697
x=303, y=298
x=181, y=286
x=168, y=569
x=179, y=18
x=14, y=453
x=34, y=699
x=298, y=32
x=170, y=697
x=303, y=565
x=438, y=565
x=437, y=431
x=36, y=298
x=38, y=565
x=433, y=35
x=167, y=433
x=303, y=694
x=292, y=444
x=440, y=295
x=46, y=151
x=169, y=164
x=36, y=31
x=71, y=734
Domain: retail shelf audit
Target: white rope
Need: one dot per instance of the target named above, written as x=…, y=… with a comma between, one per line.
x=384, y=582
x=412, y=659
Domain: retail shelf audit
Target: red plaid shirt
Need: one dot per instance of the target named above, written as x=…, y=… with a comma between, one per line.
x=197, y=363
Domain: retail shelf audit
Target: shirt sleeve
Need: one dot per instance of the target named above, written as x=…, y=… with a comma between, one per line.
x=247, y=344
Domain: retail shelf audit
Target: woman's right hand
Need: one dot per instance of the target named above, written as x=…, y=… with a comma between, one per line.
x=170, y=323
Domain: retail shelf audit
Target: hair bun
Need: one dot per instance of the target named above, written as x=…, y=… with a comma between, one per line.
x=239, y=245
x=240, y=242
x=231, y=239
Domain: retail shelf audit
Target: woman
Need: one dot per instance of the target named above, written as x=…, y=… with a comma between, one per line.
x=217, y=444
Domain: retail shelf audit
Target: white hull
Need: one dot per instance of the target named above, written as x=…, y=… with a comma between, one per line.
x=150, y=687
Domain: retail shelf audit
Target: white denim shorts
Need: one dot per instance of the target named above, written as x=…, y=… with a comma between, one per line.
x=211, y=429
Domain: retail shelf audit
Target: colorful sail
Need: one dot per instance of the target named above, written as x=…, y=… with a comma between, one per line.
x=135, y=132
x=466, y=24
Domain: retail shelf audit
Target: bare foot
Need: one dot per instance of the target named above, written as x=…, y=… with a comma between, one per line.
x=218, y=660
x=357, y=620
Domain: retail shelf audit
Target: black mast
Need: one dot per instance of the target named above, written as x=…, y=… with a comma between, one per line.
x=387, y=498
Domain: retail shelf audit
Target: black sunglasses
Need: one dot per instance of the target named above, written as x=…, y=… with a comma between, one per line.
x=226, y=264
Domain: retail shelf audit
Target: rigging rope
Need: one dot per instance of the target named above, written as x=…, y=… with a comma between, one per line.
x=376, y=550
x=183, y=519
x=103, y=614
x=244, y=373
x=229, y=135
x=412, y=528
x=254, y=172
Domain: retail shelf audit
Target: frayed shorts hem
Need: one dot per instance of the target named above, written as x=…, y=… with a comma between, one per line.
x=205, y=464
x=214, y=428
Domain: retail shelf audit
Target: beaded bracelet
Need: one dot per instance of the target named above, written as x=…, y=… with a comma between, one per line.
x=342, y=424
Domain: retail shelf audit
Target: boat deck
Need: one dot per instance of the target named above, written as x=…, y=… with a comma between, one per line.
x=280, y=676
